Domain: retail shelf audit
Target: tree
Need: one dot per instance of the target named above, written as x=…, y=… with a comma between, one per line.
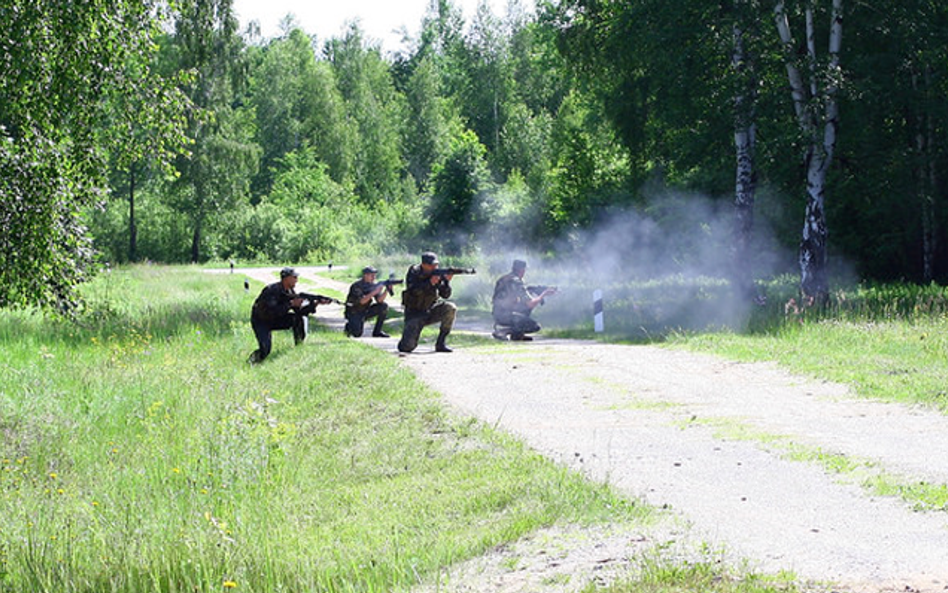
x=744, y=65
x=427, y=134
x=817, y=111
x=457, y=198
x=216, y=174
x=143, y=139
x=61, y=65
x=378, y=110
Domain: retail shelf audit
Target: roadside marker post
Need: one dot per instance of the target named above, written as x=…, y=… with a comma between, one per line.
x=597, y=311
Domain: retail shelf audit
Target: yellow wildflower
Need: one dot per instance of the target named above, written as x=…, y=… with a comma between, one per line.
x=229, y=584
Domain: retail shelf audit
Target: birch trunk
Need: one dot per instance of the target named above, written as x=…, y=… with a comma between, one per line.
x=819, y=154
x=745, y=139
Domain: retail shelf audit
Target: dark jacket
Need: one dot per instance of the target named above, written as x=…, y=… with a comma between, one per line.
x=357, y=292
x=510, y=296
x=420, y=294
x=272, y=303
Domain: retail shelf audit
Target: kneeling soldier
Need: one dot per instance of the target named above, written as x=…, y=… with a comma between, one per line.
x=366, y=300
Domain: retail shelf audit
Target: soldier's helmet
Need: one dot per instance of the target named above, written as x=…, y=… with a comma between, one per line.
x=288, y=272
x=429, y=257
x=369, y=270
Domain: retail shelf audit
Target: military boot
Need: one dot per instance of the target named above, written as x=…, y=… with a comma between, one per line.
x=440, y=346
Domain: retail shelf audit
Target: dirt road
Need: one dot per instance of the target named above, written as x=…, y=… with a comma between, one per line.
x=663, y=425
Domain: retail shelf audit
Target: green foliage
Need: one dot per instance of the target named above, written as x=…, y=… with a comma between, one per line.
x=589, y=171
x=139, y=452
x=457, y=200
x=216, y=175
x=65, y=67
x=365, y=82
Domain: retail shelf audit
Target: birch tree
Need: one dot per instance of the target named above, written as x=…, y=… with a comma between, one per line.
x=814, y=92
x=745, y=141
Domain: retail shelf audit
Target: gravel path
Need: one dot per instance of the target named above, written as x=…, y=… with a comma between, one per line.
x=654, y=423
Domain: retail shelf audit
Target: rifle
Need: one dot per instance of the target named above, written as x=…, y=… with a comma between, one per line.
x=388, y=284
x=318, y=299
x=450, y=271
x=538, y=289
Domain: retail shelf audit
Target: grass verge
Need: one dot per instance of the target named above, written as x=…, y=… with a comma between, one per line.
x=139, y=452
x=904, y=361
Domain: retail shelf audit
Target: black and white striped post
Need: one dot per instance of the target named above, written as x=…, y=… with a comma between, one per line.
x=597, y=311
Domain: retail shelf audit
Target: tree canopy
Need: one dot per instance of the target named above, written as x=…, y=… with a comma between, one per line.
x=515, y=129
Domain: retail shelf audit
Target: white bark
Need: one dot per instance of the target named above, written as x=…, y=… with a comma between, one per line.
x=797, y=87
x=745, y=139
x=820, y=150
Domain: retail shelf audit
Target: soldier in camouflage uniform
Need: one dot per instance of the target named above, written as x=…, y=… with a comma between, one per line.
x=512, y=305
x=366, y=300
x=279, y=307
x=424, y=301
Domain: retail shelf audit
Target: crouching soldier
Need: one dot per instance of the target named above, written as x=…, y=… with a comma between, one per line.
x=424, y=301
x=279, y=307
x=366, y=300
x=513, y=304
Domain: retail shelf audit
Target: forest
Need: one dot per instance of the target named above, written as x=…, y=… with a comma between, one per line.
x=782, y=136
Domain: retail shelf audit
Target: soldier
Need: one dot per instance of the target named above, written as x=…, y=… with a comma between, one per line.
x=424, y=301
x=513, y=304
x=279, y=307
x=366, y=300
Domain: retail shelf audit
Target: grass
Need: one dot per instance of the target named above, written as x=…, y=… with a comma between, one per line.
x=139, y=452
x=903, y=361
x=709, y=577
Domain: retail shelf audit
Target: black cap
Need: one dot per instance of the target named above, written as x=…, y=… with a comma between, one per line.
x=429, y=257
x=369, y=270
x=519, y=264
x=288, y=272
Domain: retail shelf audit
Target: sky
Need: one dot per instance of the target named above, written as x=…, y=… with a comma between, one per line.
x=327, y=18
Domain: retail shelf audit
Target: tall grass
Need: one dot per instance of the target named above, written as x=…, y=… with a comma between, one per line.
x=139, y=452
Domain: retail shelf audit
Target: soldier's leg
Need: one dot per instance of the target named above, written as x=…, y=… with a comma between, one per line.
x=445, y=312
x=380, y=312
x=411, y=333
x=355, y=325
x=299, y=329
x=522, y=325
x=264, y=340
x=503, y=326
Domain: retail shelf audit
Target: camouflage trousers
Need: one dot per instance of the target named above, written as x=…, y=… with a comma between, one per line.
x=443, y=312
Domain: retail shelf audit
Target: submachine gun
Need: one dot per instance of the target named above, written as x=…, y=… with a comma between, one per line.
x=319, y=299
x=452, y=271
x=538, y=289
x=389, y=283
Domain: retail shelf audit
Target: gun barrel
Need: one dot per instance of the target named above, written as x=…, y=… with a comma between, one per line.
x=451, y=271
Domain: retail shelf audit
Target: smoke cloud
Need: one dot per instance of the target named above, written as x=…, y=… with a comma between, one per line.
x=667, y=266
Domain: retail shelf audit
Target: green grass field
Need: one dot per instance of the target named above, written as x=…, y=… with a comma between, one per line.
x=140, y=452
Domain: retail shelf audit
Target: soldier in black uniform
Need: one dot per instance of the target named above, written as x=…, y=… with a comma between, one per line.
x=423, y=299
x=279, y=307
x=513, y=304
x=366, y=300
